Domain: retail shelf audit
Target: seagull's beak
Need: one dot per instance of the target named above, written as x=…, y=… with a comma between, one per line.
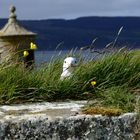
x=72, y=65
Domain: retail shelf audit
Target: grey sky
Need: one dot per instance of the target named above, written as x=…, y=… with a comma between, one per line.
x=48, y=9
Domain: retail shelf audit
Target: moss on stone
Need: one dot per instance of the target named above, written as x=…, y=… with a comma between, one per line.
x=103, y=111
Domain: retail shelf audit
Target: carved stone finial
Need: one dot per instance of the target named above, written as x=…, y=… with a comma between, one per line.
x=12, y=16
x=12, y=9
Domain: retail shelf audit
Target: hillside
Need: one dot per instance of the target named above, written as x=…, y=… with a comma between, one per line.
x=81, y=31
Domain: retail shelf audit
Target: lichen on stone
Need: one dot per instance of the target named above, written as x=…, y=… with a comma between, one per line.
x=105, y=111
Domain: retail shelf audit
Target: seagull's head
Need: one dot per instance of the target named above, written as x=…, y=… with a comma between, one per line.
x=69, y=63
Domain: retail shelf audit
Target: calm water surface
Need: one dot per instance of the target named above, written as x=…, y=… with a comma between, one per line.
x=42, y=57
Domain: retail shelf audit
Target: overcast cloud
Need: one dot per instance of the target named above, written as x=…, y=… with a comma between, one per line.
x=48, y=9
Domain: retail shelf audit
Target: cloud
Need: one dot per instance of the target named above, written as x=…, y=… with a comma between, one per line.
x=44, y=9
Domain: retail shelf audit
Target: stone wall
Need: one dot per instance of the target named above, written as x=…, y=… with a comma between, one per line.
x=79, y=127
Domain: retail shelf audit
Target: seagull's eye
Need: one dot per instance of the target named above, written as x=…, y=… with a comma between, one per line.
x=64, y=61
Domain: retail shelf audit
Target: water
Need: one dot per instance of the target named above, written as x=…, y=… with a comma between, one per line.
x=44, y=57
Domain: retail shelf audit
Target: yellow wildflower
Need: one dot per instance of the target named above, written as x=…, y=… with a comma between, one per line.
x=93, y=83
x=25, y=53
x=33, y=46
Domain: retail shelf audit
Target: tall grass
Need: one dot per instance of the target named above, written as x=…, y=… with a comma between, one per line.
x=117, y=76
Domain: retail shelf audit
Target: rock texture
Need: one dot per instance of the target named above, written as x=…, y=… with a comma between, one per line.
x=80, y=127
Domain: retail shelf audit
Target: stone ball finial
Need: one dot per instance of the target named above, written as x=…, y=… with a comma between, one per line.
x=12, y=16
x=12, y=9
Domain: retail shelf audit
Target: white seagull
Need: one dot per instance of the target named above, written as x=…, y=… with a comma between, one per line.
x=69, y=65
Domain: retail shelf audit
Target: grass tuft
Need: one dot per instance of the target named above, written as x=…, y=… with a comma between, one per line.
x=117, y=78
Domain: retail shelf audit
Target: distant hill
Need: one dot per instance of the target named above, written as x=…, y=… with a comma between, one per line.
x=81, y=31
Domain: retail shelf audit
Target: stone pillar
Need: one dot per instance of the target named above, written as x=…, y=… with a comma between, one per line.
x=14, y=40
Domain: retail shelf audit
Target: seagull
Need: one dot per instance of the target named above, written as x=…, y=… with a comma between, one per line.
x=69, y=65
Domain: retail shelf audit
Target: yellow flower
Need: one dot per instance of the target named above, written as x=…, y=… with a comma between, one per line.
x=33, y=46
x=93, y=83
x=25, y=53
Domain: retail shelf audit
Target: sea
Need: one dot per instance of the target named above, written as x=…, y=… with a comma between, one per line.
x=44, y=57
